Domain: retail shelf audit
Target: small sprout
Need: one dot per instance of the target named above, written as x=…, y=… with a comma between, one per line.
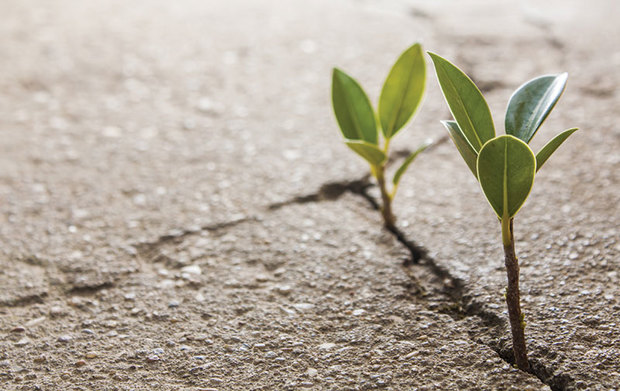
x=504, y=165
x=361, y=126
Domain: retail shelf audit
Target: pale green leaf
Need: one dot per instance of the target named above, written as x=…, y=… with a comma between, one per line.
x=352, y=108
x=402, y=91
x=403, y=167
x=462, y=145
x=370, y=152
x=506, y=167
x=531, y=103
x=466, y=103
x=551, y=146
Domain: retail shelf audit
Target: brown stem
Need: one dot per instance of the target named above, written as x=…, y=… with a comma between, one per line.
x=386, y=209
x=517, y=324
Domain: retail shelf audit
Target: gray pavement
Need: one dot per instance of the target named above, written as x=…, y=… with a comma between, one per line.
x=143, y=143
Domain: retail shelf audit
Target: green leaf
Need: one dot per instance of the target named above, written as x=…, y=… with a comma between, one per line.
x=402, y=91
x=531, y=104
x=466, y=103
x=403, y=167
x=551, y=146
x=462, y=145
x=368, y=151
x=506, y=168
x=353, y=110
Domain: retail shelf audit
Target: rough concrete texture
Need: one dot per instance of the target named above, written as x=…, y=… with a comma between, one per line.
x=143, y=144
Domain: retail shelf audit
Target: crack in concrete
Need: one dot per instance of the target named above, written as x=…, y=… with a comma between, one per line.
x=150, y=249
x=90, y=288
x=22, y=301
x=463, y=306
x=455, y=289
x=331, y=191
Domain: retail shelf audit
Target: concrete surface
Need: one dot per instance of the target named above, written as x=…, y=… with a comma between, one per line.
x=143, y=143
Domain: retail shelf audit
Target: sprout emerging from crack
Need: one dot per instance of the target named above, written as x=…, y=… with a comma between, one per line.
x=361, y=127
x=504, y=165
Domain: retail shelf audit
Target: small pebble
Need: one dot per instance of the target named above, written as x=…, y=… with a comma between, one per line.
x=191, y=269
x=158, y=351
x=22, y=342
x=91, y=355
x=64, y=338
x=56, y=311
x=80, y=363
x=40, y=359
x=284, y=290
x=152, y=358
x=35, y=321
x=88, y=331
x=173, y=304
x=130, y=296
x=18, y=329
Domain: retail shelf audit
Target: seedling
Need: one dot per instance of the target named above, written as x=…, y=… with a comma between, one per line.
x=504, y=165
x=361, y=126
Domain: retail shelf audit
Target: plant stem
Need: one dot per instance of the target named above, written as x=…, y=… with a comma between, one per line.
x=386, y=209
x=513, y=300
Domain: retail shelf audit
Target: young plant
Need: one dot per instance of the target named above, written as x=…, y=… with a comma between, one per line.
x=361, y=127
x=504, y=165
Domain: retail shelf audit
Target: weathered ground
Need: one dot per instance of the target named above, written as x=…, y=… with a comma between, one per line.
x=178, y=213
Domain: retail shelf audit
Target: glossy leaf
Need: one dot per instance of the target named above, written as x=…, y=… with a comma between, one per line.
x=403, y=167
x=402, y=91
x=370, y=152
x=353, y=110
x=506, y=167
x=466, y=103
x=551, y=146
x=531, y=103
x=462, y=145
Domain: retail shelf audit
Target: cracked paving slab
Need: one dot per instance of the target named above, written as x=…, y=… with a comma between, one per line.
x=128, y=127
x=283, y=302
x=567, y=233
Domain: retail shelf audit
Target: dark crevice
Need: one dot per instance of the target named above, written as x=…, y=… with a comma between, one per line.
x=90, y=288
x=150, y=248
x=462, y=306
x=331, y=191
x=417, y=252
x=24, y=300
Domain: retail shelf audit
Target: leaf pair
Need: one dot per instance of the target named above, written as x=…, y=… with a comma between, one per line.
x=400, y=97
x=504, y=165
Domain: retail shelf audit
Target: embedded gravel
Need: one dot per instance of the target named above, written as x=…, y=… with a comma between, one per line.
x=143, y=144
